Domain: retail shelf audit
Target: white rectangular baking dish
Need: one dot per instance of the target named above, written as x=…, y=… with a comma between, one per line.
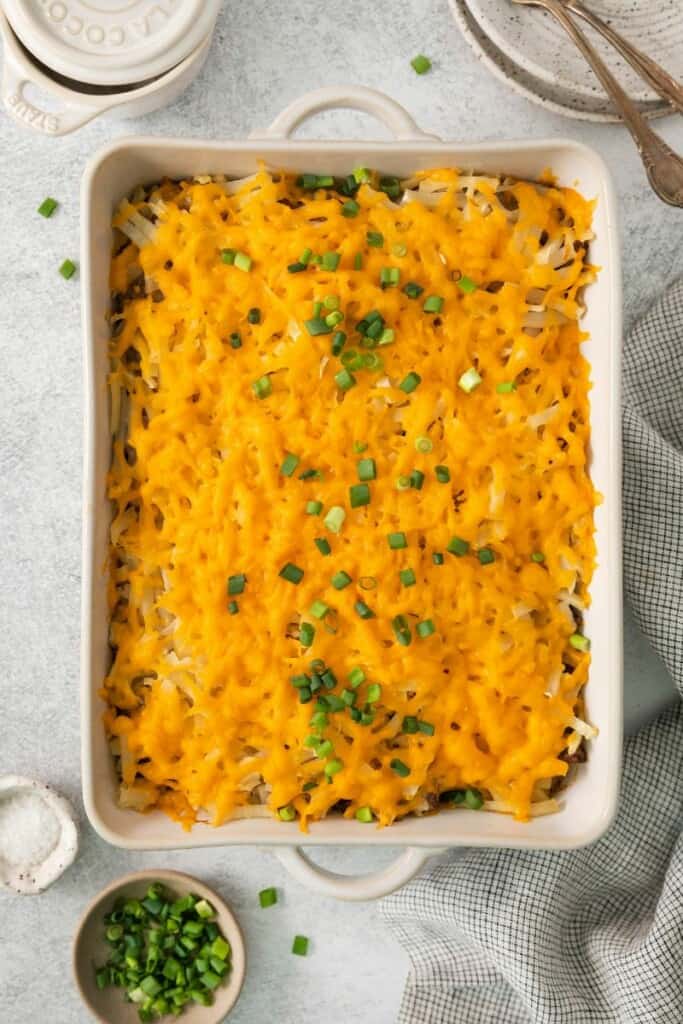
x=589, y=803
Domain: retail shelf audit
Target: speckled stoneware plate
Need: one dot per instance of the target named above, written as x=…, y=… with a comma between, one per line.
x=536, y=41
x=552, y=97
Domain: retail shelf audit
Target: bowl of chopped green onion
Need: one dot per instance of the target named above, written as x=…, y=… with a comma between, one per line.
x=156, y=945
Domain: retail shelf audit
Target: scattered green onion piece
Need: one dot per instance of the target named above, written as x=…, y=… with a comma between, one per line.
x=443, y=474
x=349, y=697
x=233, y=607
x=466, y=285
x=338, y=342
x=356, y=676
x=296, y=268
x=334, y=318
x=437, y=558
x=409, y=725
x=417, y=478
x=317, y=326
x=344, y=379
x=317, y=310
x=323, y=545
x=580, y=642
x=314, y=508
x=401, y=629
x=361, y=174
x=458, y=546
x=367, y=469
x=538, y=557
x=235, y=340
x=325, y=748
x=311, y=474
x=301, y=680
x=319, y=609
x=359, y=447
x=413, y=290
x=425, y=628
x=333, y=767
x=359, y=494
x=423, y=444
x=397, y=540
x=243, y=262
x=506, y=387
x=421, y=64
x=433, y=304
x=399, y=249
x=340, y=580
x=307, y=786
x=407, y=577
x=389, y=276
x=228, y=256
x=268, y=897
x=358, y=261
x=387, y=337
x=47, y=207
x=300, y=945
x=364, y=814
x=308, y=181
x=399, y=767
x=289, y=464
x=403, y=483
x=371, y=361
x=262, y=387
x=325, y=181
x=306, y=634
x=236, y=584
x=362, y=610
x=355, y=714
x=390, y=186
x=474, y=799
x=330, y=260
x=334, y=520
x=67, y=269
x=331, y=302
x=292, y=573
x=374, y=693
x=305, y=257
x=469, y=380
x=426, y=728
x=486, y=556
x=375, y=239
x=287, y=813
x=319, y=720
x=350, y=208
x=367, y=717
x=410, y=382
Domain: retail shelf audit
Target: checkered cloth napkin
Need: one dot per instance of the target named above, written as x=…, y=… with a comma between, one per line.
x=592, y=935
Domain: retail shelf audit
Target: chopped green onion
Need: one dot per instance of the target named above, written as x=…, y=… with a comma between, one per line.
x=262, y=387
x=340, y=580
x=243, y=262
x=458, y=546
x=401, y=629
x=344, y=380
x=323, y=545
x=268, y=897
x=317, y=310
x=407, y=577
x=319, y=720
x=47, y=207
x=67, y=269
x=425, y=628
x=417, y=478
x=399, y=249
x=409, y=383
x=331, y=302
x=409, y=725
x=426, y=728
x=486, y=556
x=349, y=697
x=289, y=464
x=358, y=261
x=538, y=557
x=367, y=469
x=311, y=474
x=292, y=573
x=330, y=260
x=443, y=474
x=387, y=337
x=423, y=444
x=317, y=326
x=235, y=340
x=338, y=342
x=421, y=64
x=506, y=387
x=375, y=330
x=375, y=239
x=334, y=318
x=467, y=285
x=334, y=520
x=374, y=693
x=413, y=290
x=236, y=584
x=300, y=680
x=305, y=257
x=397, y=540
x=362, y=609
x=228, y=256
x=233, y=607
x=359, y=447
x=356, y=676
x=333, y=767
x=350, y=208
x=367, y=717
x=287, y=813
x=580, y=642
x=474, y=799
x=403, y=483
x=359, y=494
x=306, y=634
x=399, y=767
x=389, y=276
x=319, y=609
x=469, y=380
x=364, y=814
x=314, y=508
x=307, y=786
x=355, y=714
x=437, y=558
x=300, y=945
x=361, y=174
x=372, y=361
x=433, y=304
x=296, y=268
x=391, y=186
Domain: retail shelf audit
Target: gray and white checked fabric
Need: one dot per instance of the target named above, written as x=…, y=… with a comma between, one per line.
x=592, y=935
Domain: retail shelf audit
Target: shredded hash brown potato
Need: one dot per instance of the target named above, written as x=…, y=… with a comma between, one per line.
x=465, y=633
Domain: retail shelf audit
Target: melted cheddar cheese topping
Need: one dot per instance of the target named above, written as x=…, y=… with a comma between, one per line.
x=202, y=711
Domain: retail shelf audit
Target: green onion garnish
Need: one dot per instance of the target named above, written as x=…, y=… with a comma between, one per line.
x=401, y=629
x=306, y=634
x=338, y=342
x=330, y=260
x=316, y=325
x=425, y=628
x=403, y=483
x=421, y=64
x=292, y=573
x=426, y=727
x=334, y=766
x=289, y=464
x=538, y=557
x=410, y=382
x=397, y=540
x=349, y=697
x=409, y=725
x=437, y=558
x=305, y=257
x=506, y=387
x=340, y=580
x=317, y=310
x=361, y=174
x=325, y=748
x=287, y=813
x=311, y=474
x=235, y=340
x=367, y=469
x=359, y=494
x=469, y=380
x=467, y=285
x=399, y=249
x=413, y=290
x=375, y=239
x=387, y=337
x=236, y=584
x=391, y=186
x=443, y=474
x=474, y=799
x=407, y=577
x=323, y=545
x=300, y=680
x=358, y=261
x=67, y=269
x=458, y=546
x=319, y=609
x=228, y=256
x=296, y=268
x=356, y=676
x=389, y=276
x=350, y=208
x=47, y=207
x=486, y=556
x=344, y=379
x=233, y=607
x=243, y=262
x=374, y=693
x=433, y=304
x=423, y=444
x=268, y=897
x=334, y=520
x=314, y=508
x=364, y=814
x=417, y=478
x=362, y=609
x=334, y=318
x=331, y=302
x=399, y=767
x=262, y=387
x=580, y=642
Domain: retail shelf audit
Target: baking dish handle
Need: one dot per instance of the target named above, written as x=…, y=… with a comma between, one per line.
x=348, y=97
x=354, y=887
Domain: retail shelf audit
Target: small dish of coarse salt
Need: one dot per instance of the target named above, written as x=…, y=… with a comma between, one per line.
x=38, y=835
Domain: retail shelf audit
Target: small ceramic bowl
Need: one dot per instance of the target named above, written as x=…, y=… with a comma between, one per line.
x=90, y=948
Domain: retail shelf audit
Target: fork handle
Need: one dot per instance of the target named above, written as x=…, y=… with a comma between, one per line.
x=663, y=167
x=664, y=84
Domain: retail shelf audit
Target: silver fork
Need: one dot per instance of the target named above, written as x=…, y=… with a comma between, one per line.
x=663, y=167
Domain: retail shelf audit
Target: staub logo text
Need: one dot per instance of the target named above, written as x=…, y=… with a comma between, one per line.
x=83, y=20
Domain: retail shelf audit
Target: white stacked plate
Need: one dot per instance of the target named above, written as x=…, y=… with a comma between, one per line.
x=530, y=51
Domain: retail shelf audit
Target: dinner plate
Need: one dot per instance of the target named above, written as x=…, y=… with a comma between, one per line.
x=537, y=42
x=553, y=97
